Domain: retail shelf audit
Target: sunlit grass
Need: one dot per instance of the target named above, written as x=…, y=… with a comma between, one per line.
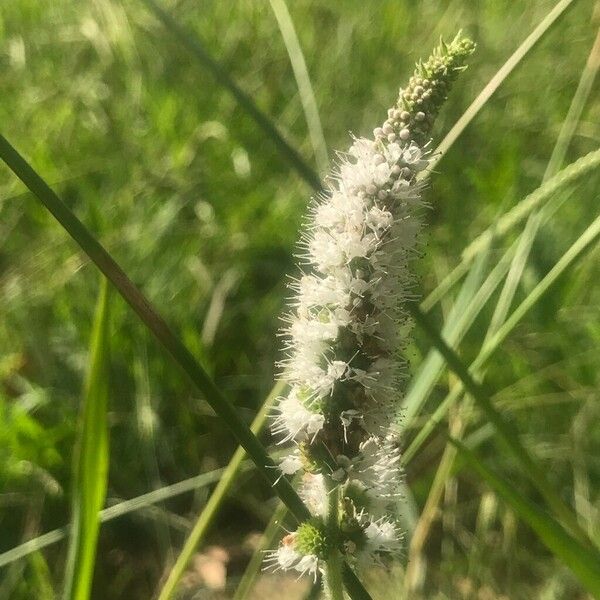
x=201, y=209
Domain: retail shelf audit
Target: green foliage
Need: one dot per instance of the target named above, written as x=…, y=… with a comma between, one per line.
x=91, y=458
x=583, y=560
x=188, y=194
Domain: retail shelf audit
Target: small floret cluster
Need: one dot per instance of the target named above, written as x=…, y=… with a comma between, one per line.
x=348, y=328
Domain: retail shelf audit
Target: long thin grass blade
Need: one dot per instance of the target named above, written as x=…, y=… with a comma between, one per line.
x=513, y=277
x=536, y=220
x=582, y=560
x=582, y=93
x=496, y=81
x=573, y=254
x=305, y=89
x=120, y=509
x=91, y=459
x=267, y=540
x=146, y=431
x=502, y=308
x=157, y=325
x=473, y=296
x=555, y=185
x=210, y=510
x=543, y=197
x=583, y=244
x=197, y=49
x=507, y=435
x=183, y=357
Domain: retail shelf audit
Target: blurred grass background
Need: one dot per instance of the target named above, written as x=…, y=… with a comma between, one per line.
x=198, y=206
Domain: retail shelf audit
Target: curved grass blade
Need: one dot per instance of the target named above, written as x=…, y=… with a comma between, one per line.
x=221, y=405
x=536, y=220
x=512, y=218
x=209, y=512
x=582, y=560
x=526, y=239
x=582, y=93
x=157, y=325
x=584, y=243
x=197, y=49
x=508, y=436
x=472, y=298
x=146, y=432
x=496, y=81
x=91, y=459
x=118, y=510
x=305, y=89
x=573, y=254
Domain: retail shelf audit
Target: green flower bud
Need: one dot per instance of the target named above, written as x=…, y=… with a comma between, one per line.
x=311, y=538
x=428, y=88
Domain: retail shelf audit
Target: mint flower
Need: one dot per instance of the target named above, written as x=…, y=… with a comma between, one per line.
x=348, y=327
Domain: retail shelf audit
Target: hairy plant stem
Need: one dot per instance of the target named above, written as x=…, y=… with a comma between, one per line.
x=333, y=577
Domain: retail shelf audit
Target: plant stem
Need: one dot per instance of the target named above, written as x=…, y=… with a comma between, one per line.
x=333, y=576
x=209, y=512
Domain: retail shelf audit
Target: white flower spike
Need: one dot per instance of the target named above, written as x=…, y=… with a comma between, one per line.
x=347, y=331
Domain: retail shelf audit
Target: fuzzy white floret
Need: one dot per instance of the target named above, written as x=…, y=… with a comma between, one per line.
x=286, y=558
x=290, y=464
x=294, y=420
x=314, y=493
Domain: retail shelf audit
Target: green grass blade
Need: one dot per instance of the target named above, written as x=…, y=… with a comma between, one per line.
x=471, y=300
x=432, y=422
x=496, y=81
x=201, y=54
x=507, y=434
x=91, y=459
x=180, y=353
x=120, y=509
x=267, y=541
x=513, y=277
x=353, y=586
x=584, y=243
x=582, y=560
x=580, y=98
x=210, y=510
x=568, y=175
x=562, y=179
x=305, y=89
x=42, y=577
x=542, y=197
x=536, y=220
x=146, y=431
x=573, y=254
x=505, y=300
x=150, y=317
